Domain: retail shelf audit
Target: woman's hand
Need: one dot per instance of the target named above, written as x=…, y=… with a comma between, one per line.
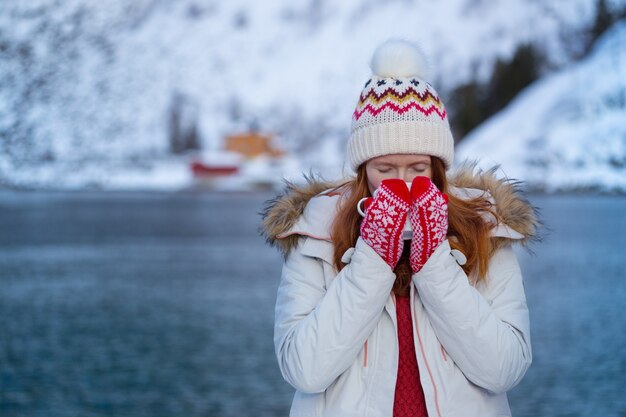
x=384, y=220
x=429, y=219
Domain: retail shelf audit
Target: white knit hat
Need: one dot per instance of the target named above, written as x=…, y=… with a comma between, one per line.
x=398, y=111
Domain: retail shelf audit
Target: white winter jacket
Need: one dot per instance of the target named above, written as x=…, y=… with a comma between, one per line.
x=335, y=334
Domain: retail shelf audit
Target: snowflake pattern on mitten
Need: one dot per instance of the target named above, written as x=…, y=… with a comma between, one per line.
x=429, y=218
x=384, y=220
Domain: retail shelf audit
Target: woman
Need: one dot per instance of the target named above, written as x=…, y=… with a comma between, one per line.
x=371, y=322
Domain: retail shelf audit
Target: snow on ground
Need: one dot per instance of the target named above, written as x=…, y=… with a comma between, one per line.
x=566, y=131
x=88, y=86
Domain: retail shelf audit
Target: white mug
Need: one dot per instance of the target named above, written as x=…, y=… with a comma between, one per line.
x=407, y=232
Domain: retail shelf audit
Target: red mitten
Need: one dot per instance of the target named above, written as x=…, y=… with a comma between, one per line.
x=429, y=218
x=384, y=220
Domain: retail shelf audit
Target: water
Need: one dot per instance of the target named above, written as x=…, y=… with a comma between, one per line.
x=162, y=305
x=576, y=290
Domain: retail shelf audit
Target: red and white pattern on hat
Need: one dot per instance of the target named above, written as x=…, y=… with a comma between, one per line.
x=387, y=100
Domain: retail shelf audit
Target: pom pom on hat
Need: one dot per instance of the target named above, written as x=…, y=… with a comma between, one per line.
x=397, y=58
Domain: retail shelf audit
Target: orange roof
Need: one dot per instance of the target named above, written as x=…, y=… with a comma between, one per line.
x=251, y=145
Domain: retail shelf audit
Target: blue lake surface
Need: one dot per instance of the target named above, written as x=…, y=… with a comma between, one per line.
x=132, y=304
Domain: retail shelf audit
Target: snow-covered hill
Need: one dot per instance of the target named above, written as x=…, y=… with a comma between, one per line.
x=87, y=87
x=566, y=131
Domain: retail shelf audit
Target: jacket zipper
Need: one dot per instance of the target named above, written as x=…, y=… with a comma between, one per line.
x=419, y=338
x=365, y=355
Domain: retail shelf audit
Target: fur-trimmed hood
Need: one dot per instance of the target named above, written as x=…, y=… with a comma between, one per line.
x=308, y=210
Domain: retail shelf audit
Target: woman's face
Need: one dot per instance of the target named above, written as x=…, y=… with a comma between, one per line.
x=403, y=166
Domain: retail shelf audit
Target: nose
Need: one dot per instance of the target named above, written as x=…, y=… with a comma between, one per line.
x=406, y=175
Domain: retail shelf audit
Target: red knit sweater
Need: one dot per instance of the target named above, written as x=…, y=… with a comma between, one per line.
x=409, y=398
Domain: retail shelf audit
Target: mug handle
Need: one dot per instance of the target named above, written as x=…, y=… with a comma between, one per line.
x=358, y=206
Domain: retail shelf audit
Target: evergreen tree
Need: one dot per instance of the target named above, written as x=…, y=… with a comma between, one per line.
x=509, y=78
x=468, y=109
x=472, y=103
